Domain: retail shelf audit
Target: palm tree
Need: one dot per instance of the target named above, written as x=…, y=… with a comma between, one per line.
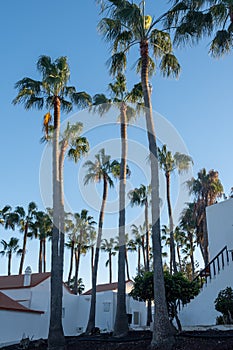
x=25, y=222
x=52, y=92
x=180, y=241
x=198, y=19
x=98, y=171
x=122, y=97
x=42, y=230
x=140, y=197
x=188, y=224
x=125, y=27
x=4, y=213
x=91, y=246
x=206, y=188
x=84, y=223
x=169, y=163
x=78, y=146
x=9, y=218
x=9, y=249
x=139, y=232
x=108, y=246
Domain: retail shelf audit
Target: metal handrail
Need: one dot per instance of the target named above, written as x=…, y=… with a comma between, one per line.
x=211, y=267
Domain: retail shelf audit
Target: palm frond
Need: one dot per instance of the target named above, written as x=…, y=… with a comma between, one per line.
x=169, y=66
x=117, y=63
x=221, y=44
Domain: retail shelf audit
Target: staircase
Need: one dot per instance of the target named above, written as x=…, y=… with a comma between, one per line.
x=214, y=267
x=216, y=276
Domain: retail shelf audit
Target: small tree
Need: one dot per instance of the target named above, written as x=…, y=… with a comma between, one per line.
x=178, y=290
x=224, y=304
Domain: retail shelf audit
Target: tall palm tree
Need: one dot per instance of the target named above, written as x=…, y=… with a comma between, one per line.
x=141, y=197
x=53, y=93
x=77, y=146
x=206, y=188
x=9, y=248
x=169, y=163
x=98, y=171
x=122, y=98
x=125, y=27
x=25, y=222
x=108, y=247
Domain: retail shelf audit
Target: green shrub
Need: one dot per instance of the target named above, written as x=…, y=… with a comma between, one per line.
x=224, y=304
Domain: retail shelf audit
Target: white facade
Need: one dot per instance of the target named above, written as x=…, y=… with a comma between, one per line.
x=220, y=226
x=201, y=310
x=16, y=325
x=106, y=311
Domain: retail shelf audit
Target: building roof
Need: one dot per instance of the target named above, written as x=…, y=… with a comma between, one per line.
x=16, y=281
x=9, y=304
x=105, y=287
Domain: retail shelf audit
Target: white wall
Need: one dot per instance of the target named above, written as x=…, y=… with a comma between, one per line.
x=107, y=301
x=220, y=226
x=16, y=325
x=201, y=310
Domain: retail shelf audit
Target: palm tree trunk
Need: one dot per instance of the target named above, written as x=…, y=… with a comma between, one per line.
x=56, y=338
x=139, y=259
x=91, y=320
x=191, y=254
x=44, y=255
x=110, y=266
x=40, y=256
x=173, y=266
x=149, y=311
x=92, y=260
x=121, y=321
x=127, y=265
x=147, y=237
x=71, y=262
x=77, y=263
x=162, y=333
x=9, y=263
x=178, y=255
x=23, y=249
x=144, y=251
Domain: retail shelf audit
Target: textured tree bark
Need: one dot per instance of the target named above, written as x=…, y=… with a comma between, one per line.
x=23, y=249
x=173, y=267
x=91, y=320
x=56, y=339
x=121, y=320
x=162, y=333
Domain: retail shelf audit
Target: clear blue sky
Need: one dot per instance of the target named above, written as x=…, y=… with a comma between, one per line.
x=199, y=104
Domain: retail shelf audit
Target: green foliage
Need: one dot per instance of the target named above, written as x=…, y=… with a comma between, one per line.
x=224, y=304
x=81, y=286
x=143, y=288
x=178, y=289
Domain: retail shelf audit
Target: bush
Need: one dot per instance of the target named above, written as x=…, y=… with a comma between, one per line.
x=224, y=304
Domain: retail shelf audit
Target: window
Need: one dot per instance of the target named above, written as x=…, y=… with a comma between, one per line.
x=106, y=306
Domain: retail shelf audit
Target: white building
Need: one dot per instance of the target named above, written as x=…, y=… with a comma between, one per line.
x=201, y=310
x=25, y=308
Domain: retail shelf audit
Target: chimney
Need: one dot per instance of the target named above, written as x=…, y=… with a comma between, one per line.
x=27, y=277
